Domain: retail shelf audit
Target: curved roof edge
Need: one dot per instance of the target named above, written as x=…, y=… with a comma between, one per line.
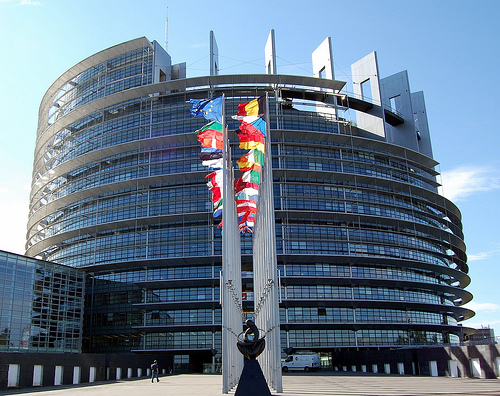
x=90, y=61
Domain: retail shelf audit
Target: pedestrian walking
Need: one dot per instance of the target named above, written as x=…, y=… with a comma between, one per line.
x=154, y=372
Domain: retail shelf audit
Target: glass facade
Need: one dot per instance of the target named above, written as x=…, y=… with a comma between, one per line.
x=41, y=308
x=369, y=253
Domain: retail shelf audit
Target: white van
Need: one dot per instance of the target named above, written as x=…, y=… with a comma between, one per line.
x=309, y=362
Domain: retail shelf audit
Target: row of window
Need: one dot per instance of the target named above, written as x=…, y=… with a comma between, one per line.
x=324, y=338
x=198, y=241
x=92, y=213
x=329, y=292
x=94, y=175
x=317, y=270
x=289, y=315
x=292, y=338
x=41, y=306
x=98, y=80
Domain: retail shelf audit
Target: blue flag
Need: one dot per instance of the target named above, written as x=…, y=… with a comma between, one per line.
x=211, y=109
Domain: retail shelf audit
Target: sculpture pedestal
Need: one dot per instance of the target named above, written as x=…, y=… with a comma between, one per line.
x=252, y=381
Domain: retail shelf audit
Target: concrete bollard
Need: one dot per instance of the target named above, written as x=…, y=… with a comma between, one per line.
x=13, y=375
x=76, y=375
x=37, y=375
x=58, y=375
x=92, y=374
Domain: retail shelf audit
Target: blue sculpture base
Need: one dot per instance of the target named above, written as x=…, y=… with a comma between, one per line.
x=252, y=381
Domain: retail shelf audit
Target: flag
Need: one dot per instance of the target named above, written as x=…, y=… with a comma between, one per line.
x=211, y=150
x=248, y=195
x=211, y=109
x=218, y=212
x=248, y=192
x=246, y=186
x=213, y=163
x=246, y=203
x=257, y=125
x=214, y=185
x=211, y=143
x=256, y=107
x=254, y=136
x=210, y=136
x=252, y=145
x=218, y=209
x=241, y=210
x=246, y=222
x=248, y=177
x=210, y=155
x=213, y=128
x=251, y=160
x=215, y=179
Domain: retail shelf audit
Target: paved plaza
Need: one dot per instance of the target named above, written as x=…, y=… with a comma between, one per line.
x=297, y=384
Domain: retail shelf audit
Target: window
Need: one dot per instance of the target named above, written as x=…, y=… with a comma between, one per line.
x=366, y=90
x=395, y=103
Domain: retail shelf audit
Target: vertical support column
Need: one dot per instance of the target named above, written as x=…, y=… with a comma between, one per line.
x=395, y=93
x=322, y=61
x=214, y=55
x=266, y=271
x=366, y=86
x=421, y=123
x=232, y=321
x=270, y=54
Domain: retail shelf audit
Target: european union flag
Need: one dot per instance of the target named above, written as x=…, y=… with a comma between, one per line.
x=211, y=109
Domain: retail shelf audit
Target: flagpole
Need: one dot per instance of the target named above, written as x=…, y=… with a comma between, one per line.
x=232, y=310
x=265, y=269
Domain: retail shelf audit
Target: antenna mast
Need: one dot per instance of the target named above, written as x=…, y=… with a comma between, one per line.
x=166, y=32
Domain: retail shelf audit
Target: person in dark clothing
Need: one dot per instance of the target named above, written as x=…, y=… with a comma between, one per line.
x=154, y=372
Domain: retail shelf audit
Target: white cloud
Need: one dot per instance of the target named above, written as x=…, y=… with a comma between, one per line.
x=478, y=256
x=482, y=255
x=482, y=307
x=461, y=182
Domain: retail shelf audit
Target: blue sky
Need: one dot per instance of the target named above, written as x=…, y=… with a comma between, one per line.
x=450, y=49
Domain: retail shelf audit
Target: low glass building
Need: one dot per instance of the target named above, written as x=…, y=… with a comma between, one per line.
x=370, y=255
x=41, y=308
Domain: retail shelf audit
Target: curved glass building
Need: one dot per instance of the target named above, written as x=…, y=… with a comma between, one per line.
x=370, y=255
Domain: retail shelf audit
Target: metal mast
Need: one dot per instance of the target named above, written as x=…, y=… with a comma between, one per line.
x=265, y=271
x=232, y=310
